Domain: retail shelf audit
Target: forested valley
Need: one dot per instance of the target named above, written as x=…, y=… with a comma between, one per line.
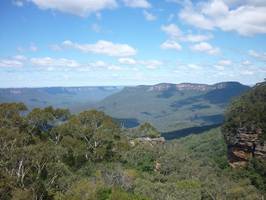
x=51, y=154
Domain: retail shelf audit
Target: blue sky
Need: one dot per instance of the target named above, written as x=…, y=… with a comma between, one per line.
x=131, y=42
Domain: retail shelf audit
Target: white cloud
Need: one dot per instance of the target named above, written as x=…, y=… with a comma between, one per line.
x=225, y=62
x=258, y=55
x=219, y=67
x=137, y=3
x=10, y=63
x=205, y=48
x=149, y=64
x=20, y=57
x=103, y=47
x=32, y=47
x=54, y=62
x=172, y=30
x=196, y=19
x=196, y=37
x=76, y=7
x=170, y=44
x=99, y=65
x=127, y=61
x=244, y=18
x=247, y=72
x=246, y=62
x=149, y=16
x=114, y=68
x=194, y=66
x=15, y=61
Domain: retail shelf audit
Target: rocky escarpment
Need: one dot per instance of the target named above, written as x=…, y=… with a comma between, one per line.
x=247, y=145
x=194, y=86
x=245, y=127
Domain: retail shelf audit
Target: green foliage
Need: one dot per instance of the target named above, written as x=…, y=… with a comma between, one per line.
x=52, y=155
x=247, y=112
x=10, y=115
x=148, y=130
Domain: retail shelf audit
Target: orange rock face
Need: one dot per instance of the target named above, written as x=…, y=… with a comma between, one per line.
x=247, y=146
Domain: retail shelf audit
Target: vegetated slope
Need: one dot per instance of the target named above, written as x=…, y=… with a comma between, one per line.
x=73, y=98
x=245, y=133
x=88, y=157
x=171, y=107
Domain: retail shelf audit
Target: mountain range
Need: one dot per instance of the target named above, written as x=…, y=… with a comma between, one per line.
x=73, y=98
x=169, y=107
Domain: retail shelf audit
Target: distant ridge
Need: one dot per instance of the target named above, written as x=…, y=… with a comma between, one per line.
x=171, y=107
x=74, y=98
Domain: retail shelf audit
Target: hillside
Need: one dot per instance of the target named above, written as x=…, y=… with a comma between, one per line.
x=73, y=98
x=88, y=157
x=245, y=133
x=171, y=107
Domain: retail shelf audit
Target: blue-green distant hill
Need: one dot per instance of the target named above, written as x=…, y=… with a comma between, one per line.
x=171, y=107
x=74, y=98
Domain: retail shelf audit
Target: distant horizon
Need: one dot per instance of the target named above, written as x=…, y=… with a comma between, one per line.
x=77, y=86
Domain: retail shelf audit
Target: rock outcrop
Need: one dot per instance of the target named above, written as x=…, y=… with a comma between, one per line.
x=247, y=145
x=244, y=128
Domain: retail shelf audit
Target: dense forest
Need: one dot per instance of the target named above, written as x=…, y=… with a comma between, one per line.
x=51, y=154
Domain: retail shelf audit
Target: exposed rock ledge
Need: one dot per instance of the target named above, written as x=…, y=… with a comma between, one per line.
x=247, y=145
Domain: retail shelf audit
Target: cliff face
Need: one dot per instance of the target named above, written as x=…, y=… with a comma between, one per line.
x=194, y=86
x=247, y=145
x=245, y=127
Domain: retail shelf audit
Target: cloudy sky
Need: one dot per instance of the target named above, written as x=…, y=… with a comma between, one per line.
x=131, y=42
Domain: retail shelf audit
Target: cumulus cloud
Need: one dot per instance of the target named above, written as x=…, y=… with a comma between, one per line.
x=77, y=7
x=149, y=64
x=205, y=48
x=247, y=18
x=219, y=67
x=20, y=57
x=172, y=30
x=258, y=55
x=225, y=62
x=246, y=62
x=10, y=63
x=149, y=16
x=127, y=61
x=54, y=62
x=32, y=47
x=102, y=47
x=15, y=61
x=170, y=44
x=247, y=72
x=137, y=3
x=196, y=37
